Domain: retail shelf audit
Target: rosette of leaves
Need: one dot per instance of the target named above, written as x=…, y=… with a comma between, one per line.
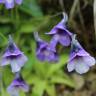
x=44, y=76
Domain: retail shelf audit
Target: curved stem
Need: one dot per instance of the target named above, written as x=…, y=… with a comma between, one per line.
x=73, y=9
x=94, y=12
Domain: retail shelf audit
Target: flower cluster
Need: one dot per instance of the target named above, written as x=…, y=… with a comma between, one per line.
x=79, y=59
x=16, y=59
x=10, y=3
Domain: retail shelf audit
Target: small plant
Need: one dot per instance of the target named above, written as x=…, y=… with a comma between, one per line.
x=44, y=66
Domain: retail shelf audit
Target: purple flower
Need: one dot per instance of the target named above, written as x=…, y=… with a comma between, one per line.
x=13, y=56
x=80, y=60
x=60, y=33
x=43, y=50
x=17, y=84
x=10, y=3
x=1, y=1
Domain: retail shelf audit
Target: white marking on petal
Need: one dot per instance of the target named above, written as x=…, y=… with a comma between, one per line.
x=17, y=63
x=15, y=66
x=70, y=66
x=13, y=91
x=89, y=60
x=25, y=88
x=81, y=67
x=21, y=60
x=4, y=61
x=81, y=64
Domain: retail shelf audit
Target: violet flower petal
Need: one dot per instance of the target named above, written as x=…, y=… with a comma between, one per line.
x=65, y=40
x=81, y=67
x=60, y=33
x=19, y=2
x=9, y=4
x=60, y=25
x=18, y=84
x=54, y=42
x=40, y=56
x=79, y=60
x=4, y=61
x=89, y=60
x=13, y=56
x=71, y=66
x=52, y=57
x=13, y=91
x=2, y=1
x=18, y=63
x=15, y=66
x=44, y=51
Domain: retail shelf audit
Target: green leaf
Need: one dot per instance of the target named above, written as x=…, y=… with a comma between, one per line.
x=50, y=89
x=29, y=63
x=39, y=88
x=4, y=93
x=3, y=39
x=62, y=78
x=33, y=25
x=32, y=8
x=57, y=66
x=5, y=20
x=7, y=73
x=33, y=79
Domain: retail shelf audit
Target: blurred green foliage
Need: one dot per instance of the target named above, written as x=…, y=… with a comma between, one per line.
x=21, y=22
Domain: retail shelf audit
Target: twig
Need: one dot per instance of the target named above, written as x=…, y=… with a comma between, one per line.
x=73, y=10
x=83, y=25
x=62, y=5
x=57, y=14
x=94, y=12
x=81, y=17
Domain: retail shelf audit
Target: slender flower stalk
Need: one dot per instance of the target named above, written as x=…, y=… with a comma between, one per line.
x=79, y=60
x=13, y=56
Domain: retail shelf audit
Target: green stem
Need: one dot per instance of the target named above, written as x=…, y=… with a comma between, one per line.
x=1, y=83
x=17, y=14
x=3, y=36
x=12, y=14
